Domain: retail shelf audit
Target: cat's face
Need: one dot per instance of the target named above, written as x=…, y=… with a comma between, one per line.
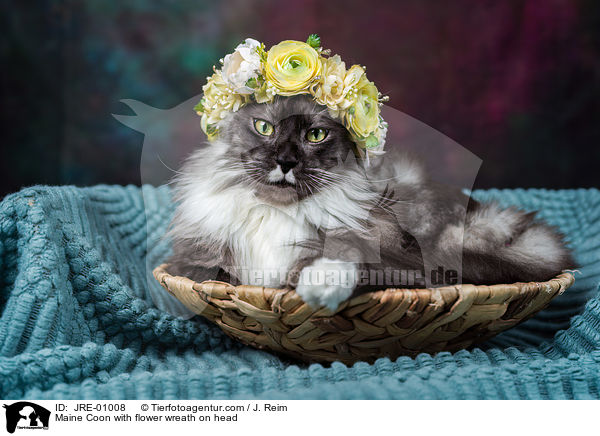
x=289, y=149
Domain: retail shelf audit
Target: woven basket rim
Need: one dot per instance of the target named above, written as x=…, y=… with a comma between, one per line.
x=556, y=284
x=389, y=322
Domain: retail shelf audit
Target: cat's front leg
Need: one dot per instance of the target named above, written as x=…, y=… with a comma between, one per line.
x=327, y=282
x=200, y=261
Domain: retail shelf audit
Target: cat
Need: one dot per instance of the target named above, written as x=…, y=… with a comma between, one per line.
x=281, y=198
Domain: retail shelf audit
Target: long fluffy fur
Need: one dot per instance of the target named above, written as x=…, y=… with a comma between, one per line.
x=230, y=217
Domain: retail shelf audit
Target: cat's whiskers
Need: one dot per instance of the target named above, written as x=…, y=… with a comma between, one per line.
x=338, y=178
x=308, y=187
x=335, y=177
x=171, y=169
x=320, y=182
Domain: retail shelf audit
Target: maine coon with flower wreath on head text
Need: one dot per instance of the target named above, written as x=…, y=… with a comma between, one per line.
x=293, y=68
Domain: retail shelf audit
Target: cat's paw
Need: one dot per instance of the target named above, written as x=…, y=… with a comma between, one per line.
x=327, y=282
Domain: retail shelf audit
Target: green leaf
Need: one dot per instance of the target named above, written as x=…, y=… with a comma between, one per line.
x=252, y=83
x=262, y=53
x=211, y=129
x=314, y=40
x=371, y=141
x=199, y=107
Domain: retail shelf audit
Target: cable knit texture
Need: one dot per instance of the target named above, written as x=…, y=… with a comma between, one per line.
x=77, y=319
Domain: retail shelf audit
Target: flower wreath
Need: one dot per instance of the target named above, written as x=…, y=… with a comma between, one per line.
x=293, y=68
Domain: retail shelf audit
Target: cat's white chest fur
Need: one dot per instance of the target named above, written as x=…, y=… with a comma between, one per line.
x=262, y=238
x=265, y=244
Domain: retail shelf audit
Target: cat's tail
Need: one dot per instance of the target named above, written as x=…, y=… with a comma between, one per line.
x=509, y=245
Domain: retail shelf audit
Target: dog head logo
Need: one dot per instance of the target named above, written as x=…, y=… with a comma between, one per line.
x=26, y=415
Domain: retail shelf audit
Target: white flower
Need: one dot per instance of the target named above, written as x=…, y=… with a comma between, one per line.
x=242, y=65
x=336, y=87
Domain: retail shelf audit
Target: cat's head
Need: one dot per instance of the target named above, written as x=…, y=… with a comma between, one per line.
x=289, y=149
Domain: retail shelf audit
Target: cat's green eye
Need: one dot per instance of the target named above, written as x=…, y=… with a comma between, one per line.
x=316, y=134
x=263, y=127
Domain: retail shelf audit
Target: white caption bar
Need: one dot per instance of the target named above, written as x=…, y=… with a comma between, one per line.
x=88, y=418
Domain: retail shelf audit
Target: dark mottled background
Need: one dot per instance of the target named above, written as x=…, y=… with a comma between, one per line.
x=515, y=82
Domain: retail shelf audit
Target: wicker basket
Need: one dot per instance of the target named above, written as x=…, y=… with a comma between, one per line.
x=390, y=322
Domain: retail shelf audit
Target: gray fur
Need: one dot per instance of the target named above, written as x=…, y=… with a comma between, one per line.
x=386, y=216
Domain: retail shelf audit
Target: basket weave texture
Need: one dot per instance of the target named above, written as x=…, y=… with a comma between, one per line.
x=390, y=322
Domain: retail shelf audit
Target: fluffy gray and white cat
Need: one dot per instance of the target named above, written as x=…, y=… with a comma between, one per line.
x=281, y=199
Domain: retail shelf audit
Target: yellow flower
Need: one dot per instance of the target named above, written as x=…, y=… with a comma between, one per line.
x=292, y=66
x=218, y=100
x=335, y=86
x=363, y=116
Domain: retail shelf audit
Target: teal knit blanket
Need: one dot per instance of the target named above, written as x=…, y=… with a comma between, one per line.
x=78, y=321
